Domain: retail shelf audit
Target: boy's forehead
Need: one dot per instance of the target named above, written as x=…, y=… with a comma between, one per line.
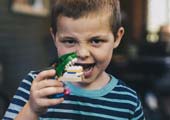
x=93, y=19
x=103, y=15
x=97, y=12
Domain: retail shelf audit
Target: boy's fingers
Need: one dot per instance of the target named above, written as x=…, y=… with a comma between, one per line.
x=49, y=91
x=45, y=74
x=49, y=83
x=51, y=102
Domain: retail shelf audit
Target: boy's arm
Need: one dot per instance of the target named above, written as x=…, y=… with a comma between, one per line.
x=32, y=97
x=138, y=114
x=42, y=87
x=20, y=98
x=26, y=113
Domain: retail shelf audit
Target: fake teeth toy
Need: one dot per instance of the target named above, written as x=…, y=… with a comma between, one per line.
x=73, y=73
x=67, y=71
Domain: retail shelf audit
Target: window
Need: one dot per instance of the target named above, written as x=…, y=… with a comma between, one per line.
x=158, y=15
x=33, y=7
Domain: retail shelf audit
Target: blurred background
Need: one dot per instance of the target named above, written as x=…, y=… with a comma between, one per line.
x=142, y=60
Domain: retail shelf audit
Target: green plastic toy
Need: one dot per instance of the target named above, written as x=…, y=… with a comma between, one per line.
x=63, y=61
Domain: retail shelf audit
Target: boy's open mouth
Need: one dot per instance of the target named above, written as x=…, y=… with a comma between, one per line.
x=87, y=68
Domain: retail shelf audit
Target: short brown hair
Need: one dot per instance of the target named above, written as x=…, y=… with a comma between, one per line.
x=78, y=8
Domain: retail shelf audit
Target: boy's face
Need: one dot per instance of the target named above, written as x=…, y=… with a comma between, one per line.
x=92, y=39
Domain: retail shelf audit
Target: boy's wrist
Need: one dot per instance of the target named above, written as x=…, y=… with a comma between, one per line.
x=31, y=111
x=27, y=113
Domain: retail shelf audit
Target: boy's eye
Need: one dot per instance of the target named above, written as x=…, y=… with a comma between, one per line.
x=69, y=42
x=96, y=41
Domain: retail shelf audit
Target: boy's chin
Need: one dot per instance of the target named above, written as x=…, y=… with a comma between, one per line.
x=85, y=82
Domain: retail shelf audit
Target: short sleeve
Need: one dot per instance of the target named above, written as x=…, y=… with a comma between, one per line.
x=138, y=113
x=20, y=98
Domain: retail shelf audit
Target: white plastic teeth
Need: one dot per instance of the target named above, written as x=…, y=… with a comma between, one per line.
x=74, y=68
x=71, y=63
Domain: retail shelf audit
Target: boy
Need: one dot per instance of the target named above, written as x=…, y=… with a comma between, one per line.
x=91, y=29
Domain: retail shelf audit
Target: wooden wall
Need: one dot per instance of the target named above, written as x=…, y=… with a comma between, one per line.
x=135, y=19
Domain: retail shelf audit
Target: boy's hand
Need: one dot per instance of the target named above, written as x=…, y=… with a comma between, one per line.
x=42, y=87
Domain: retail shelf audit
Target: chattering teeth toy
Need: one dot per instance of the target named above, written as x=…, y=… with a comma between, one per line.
x=66, y=69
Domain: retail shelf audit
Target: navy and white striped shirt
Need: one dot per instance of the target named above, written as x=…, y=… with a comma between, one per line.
x=115, y=101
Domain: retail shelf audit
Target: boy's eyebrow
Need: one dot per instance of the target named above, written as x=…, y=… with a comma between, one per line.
x=99, y=36
x=66, y=37
x=95, y=37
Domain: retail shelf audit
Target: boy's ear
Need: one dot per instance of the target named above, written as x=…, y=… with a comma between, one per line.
x=118, y=37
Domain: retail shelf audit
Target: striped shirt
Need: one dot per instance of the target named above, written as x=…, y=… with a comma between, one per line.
x=115, y=101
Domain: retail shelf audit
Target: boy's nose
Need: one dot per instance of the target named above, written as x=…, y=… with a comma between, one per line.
x=83, y=53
